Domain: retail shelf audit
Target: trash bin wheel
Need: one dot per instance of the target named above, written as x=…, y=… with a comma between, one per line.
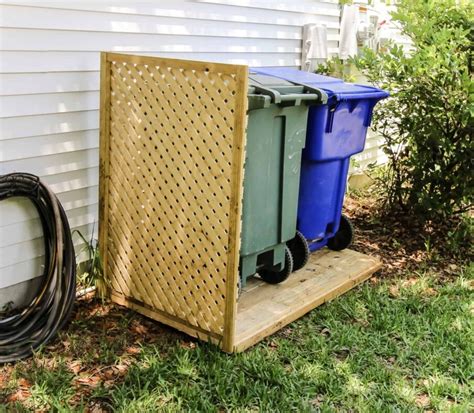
x=276, y=277
x=299, y=250
x=343, y=237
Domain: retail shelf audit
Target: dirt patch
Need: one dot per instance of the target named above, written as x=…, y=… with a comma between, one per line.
x=404, y=243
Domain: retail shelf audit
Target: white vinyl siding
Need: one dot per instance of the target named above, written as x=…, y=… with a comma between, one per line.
x=49, y=88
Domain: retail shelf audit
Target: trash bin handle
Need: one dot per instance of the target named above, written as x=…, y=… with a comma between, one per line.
x=322, y=95
x=309, y=93
x=300, y=97
x=276, y=96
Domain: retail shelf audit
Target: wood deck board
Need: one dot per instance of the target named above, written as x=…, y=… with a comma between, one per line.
x=264, y=309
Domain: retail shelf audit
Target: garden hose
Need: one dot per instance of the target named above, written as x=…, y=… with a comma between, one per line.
x=24, y=331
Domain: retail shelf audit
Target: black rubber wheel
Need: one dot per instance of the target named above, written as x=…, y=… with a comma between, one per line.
x=343, y=237
x=299, y=250
x=276, y=277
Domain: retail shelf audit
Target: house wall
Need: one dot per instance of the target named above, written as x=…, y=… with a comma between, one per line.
x=49, y=90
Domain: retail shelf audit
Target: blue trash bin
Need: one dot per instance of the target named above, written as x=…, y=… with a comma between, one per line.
x=335, y=132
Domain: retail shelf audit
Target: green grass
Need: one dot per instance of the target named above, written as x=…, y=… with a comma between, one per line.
x=395, y=345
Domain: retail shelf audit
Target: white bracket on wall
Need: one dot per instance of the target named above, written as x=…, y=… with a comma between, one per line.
x=315, y=46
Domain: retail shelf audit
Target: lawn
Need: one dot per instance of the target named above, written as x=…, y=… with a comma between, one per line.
x=403, y=341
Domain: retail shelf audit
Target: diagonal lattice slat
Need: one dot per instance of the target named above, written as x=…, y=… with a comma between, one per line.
x=172, y=138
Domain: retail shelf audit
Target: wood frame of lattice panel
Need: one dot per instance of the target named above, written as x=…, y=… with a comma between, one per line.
x=172, y=138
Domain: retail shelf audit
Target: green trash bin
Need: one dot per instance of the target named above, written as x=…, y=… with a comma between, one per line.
x=276, y=134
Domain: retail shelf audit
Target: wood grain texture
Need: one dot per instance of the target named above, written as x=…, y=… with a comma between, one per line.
x=165, y=318
x=173, y=189
x=104, y=157
x=235, y=213
x=264, y=309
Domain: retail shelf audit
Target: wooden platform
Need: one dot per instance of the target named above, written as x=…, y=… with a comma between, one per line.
x=263, y=309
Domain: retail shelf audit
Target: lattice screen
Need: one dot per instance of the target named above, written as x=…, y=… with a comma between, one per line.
x=172, y=139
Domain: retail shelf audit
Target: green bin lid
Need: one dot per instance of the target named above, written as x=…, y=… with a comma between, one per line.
x=267, y=81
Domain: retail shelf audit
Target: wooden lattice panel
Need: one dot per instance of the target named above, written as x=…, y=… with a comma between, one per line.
x=172, y=139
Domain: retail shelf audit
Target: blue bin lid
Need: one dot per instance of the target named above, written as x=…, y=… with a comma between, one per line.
x=345, y=91
x=295, y=75
x=333, y=86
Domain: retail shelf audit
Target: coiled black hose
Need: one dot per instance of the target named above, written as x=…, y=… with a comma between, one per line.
x=25, y=331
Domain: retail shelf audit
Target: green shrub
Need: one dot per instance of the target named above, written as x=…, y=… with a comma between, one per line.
x=427, y=123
